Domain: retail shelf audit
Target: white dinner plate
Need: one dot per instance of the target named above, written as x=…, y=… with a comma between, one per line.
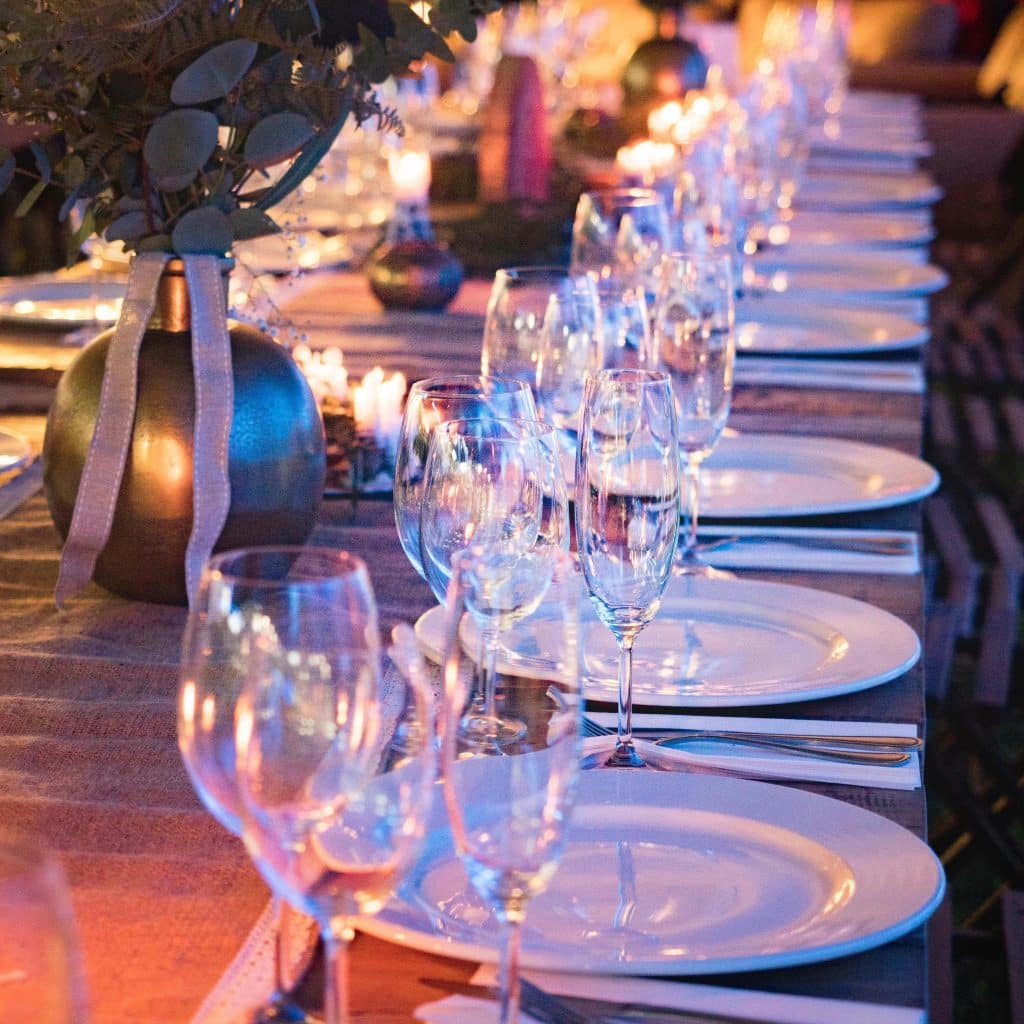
x=720, y=643
x=869, y=144
x=14, y=450
x=849, y=231
x=867, y=192
x=855, y=279
x=764, y=475
x=808, y=329
x=670, y=874
x=58, y=303
x=753, y=475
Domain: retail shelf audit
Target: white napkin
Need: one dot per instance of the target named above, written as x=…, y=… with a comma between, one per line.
x=871, y=375
x=768, y=1006
x=771, y=764
x=22, y=485
x=783, y=547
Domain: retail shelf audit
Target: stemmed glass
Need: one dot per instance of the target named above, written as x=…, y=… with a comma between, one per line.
x=40, y=973
x=335, y=761
x=695, y=338
x=625, y=325
x=497, y=484
x=215, y=647
x=519, y=302
x=620, y=232
x=627, y=520
x=509, y=812
x=438, y=400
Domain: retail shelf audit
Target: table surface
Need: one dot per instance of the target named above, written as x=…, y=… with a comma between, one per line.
x=164, y=896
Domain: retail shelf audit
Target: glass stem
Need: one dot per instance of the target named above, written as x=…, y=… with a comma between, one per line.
x=508, y=977
x=279, y=910
x=692, y=475
x=489, y=666
x=624, y=736
x=336, y=977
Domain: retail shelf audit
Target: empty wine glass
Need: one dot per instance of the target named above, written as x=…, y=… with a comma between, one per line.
x=437, y=400
x=40, y=974
x=627, y=520
x=335, y=760
x=497, y=484
x=620, y=232
x=235, y=585
x=625, y=325
x=518, y=304
x=509, y=813
x=571, y=345
x=694, y=334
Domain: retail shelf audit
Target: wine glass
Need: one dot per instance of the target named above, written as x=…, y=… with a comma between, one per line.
x=509, y=812
x=571, y=345
x=519, y=302
x=694, y=334
x=40, y=972
x=335, y=760
x=620, y=232
x=627, y=520
x=625, y=325
x=497, y=484
x=236, y=585
x=437, y=400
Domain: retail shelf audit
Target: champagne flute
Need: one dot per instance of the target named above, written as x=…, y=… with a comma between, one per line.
x=627, y=520
x=509, y=812
x=40, y=972
x=516, y=310
x=625, y=325
x=695, y=337
x=335, y=761
x=234, y=586
x=497, y=484
x=437, y=400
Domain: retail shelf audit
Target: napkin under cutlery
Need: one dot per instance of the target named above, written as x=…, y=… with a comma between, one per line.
x=873, y=375
x=682, y=996
x=811, y=549
x=771, y=764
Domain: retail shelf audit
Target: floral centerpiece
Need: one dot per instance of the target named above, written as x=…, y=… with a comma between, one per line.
x=176, y=126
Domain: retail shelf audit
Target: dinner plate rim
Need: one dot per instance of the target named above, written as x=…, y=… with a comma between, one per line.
x=770, y=594
x=836, y=825
x=19, y=458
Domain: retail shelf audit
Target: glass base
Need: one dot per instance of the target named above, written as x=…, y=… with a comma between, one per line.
x=627, y=756
x=281, y=1010
x=691, y=564
x=491, y=730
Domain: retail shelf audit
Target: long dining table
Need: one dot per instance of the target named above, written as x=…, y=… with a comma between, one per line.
x=164, y=897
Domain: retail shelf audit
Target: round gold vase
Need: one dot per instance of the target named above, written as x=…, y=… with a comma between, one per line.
x=276, y=458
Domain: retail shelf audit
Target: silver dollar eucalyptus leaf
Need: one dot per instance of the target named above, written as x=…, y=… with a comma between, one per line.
x=214, y=74
x=178, y=145
x=206, y=230
x=251, y=223
x=276, y=138
x=128, y=227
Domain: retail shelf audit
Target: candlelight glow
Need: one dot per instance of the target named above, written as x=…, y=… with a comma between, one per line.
x=646, y=159
x=410, y=174
x=377, y=406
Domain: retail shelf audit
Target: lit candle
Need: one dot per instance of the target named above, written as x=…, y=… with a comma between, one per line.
x=377, y=407
x=646, y=161
x=661, y=120
x=325, y=373
x=410, y=175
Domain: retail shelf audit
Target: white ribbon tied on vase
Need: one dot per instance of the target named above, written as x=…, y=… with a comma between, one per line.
x=100, y=484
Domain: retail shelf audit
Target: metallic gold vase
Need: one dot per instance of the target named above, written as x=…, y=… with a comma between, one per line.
x=276, y=458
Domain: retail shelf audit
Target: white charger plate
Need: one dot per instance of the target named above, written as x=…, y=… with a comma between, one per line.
x=720, y=643
x=14, y=450
x=806, y=329
x=845, y=231
x=854, y=279
x=57, y=303
x=670, y=874
x=866, y=192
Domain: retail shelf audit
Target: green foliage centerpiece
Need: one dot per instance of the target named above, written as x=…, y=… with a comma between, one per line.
x=176, y=126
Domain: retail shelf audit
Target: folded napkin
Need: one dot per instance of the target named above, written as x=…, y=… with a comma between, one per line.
x=808, y=549
x=771, y=764
x=710, y=999
x=868, y=375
